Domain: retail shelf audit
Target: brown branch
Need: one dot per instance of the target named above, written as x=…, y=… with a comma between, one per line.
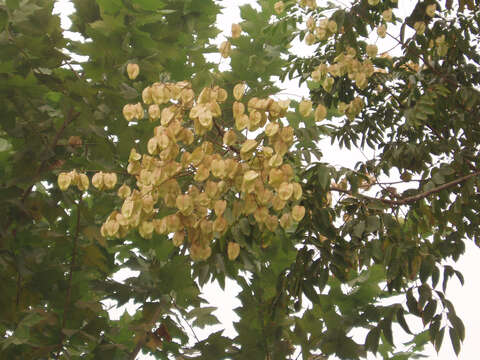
x=409, y=199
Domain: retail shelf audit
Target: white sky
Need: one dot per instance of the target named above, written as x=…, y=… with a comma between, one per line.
x=464, y=298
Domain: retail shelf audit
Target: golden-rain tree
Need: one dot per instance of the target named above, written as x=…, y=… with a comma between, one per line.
x=145, y=156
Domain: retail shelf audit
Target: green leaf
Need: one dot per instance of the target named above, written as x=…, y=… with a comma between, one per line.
x=372, y=340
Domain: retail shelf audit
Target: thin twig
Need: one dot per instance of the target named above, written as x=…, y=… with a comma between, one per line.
x=409, y=199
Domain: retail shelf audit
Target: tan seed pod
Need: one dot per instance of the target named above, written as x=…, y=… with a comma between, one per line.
x=233, y=250
x=219, y=207
x=320, y=113
x=238, y=91
x=272, y=129
x=146, y=229
x=286, y=221
x=236, y=31
x=178, y=238
x=97, y=180
x=109, y=180
x=305, y=108
x=285, y=191
x=133, y=70
x=184, y=204
x=83, y=182
x=225, y=48
x=220, y=225
x=64, y=180
x=298, y=212
x=124, y=191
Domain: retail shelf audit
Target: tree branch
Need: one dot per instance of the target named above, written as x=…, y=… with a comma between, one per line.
x=409, y=199
x=143, y=338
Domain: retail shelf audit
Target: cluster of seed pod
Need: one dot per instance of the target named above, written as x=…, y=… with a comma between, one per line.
x=232, y=178
x=80, y=180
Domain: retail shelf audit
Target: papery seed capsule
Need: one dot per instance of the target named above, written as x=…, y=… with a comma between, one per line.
x=236, y=31
x=320, y=113
x=279, y=6
x=83, y=182
x=305, y=108
x=233, y=250
x=238, y=91
x=298, y=212
x=133, y=70
x=372, y=50
x=109, y=180
x=124, y=191
x=64, y=181
x=225, y=49
x=97, y=180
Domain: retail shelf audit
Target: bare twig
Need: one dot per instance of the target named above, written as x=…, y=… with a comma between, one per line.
x=409, y=199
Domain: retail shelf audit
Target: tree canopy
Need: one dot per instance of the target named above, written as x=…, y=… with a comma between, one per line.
x=127, y=147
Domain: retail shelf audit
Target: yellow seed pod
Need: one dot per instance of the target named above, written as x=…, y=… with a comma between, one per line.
x=202, y=173
x=97, y=180
x=267, y=151
x=127, y=208
x=279, y=6
x=133, y=70
x=372, y=50
x=129, y=112
x=233, y=250
x=173, y=223
x=305, y=108
x=271, y=129
x=276, y=177
x=219, y=207
x=248, y=146
x=160, y=226
x=250, y=176
x=178, y=238
x=261, y=214
x=184, y=204
x=147, y=95
x=206, y=227
x=387, y=15
x=109, y=180
x=200, y=252
x=152, y=146
x=241, y=122
x=225, y=49
x=430, y=10
x=111, y=228
x=275, y=161
x=236, y=31
x=229, y=138
x=420, y=27
x=332, y=26
x=310, y=39
x=83, y=183
x=146, y=229
x=138, y=111
x=297, y=191
x=285, y=191
x=64, y=180
x=211, y=189
x=220, y=225
x=271, y=222
x=286, y=221
x=154, y=112
x=238, y=91
x=222, y=94
x=382, y=31
x=147, y=204
x=287, y=134
x=124, y=191
x=320, y=113
x=197, y=156
x=298, y=212
x=218, y=168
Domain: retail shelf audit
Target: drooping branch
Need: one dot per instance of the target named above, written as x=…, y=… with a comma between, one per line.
x=409, y=199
